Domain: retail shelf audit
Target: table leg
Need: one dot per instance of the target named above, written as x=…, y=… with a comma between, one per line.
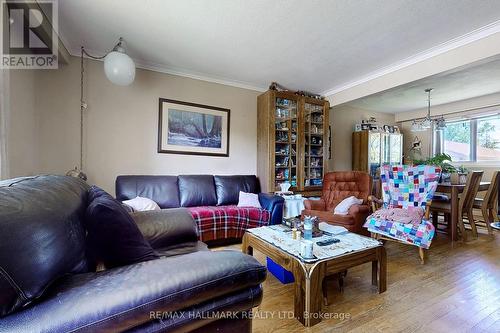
x=498, y=201
x=245, y=246
x=379, y=270
x=454, y=213
x=382, y=270
x=308, y=293
x=374, y=273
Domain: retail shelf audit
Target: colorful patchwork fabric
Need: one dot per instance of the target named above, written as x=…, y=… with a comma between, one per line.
x=420, y=235
x=220, y=222
x=406, y=186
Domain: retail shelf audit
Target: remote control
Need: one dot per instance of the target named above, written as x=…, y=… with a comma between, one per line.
x=328, y=242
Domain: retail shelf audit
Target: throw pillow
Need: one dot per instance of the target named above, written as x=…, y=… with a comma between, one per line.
x=249, y=200
x=141, y=204
x=343, y=207
x=113, y=237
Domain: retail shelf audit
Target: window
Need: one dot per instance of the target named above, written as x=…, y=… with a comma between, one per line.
x=457, y=140
x=472, y=140
x=488, y=139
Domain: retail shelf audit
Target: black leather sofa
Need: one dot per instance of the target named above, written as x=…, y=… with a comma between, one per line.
x=214, y=192
x=46, y=274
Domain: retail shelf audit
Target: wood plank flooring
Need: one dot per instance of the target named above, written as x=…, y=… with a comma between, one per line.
x=457, y=290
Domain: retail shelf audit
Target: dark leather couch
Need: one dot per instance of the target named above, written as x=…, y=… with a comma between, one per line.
x=218, y=193
x=336, y=187
x=50, y=285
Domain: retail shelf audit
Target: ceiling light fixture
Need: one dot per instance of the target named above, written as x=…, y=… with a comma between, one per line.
x=440, y=124
x=426, y=123
x=120, y=70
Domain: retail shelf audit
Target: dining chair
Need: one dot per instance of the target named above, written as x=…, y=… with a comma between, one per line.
x=487, y=205
x=465, y=206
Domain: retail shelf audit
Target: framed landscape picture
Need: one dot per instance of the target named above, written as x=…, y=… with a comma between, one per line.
x=192, y=129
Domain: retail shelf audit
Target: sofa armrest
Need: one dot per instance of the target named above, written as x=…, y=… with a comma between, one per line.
x=315, y=204
x=121, y=298
x=166, y=227
x=273, y=204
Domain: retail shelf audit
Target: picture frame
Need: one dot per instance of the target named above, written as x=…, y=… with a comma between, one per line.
x=192, y=129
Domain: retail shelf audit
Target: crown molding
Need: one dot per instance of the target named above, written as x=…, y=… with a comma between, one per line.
x=452, y=44
x=160, y=68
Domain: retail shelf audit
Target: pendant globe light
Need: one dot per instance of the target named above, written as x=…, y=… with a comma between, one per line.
x=118, y=66
x=120, y=70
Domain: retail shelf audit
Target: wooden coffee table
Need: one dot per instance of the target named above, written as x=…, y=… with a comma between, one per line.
x=309, y=275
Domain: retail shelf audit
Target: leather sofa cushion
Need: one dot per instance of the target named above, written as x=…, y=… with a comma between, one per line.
x=42, y=236
x=161, y=189
x=119, y=299
x=197, y=190
x=229, y=187
x=113, y=237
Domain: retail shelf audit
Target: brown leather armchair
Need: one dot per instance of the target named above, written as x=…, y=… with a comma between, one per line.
x=336, y=187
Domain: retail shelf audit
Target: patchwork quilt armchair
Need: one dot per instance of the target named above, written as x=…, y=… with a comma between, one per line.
x=404, y=213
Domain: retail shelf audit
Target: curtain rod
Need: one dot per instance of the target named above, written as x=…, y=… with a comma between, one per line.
x=451, y=113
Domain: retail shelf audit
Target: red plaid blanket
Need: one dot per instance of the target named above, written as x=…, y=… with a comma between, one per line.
x=219, y=222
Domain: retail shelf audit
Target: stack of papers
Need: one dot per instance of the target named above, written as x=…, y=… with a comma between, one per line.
x=332, y=229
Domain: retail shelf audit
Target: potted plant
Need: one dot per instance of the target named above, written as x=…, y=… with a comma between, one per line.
x=444, y=162
x=460, y=176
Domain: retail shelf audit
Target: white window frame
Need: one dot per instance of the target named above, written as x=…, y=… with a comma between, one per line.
x=473, y=142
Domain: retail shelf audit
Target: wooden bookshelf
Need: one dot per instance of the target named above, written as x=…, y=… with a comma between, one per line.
x=292, y=141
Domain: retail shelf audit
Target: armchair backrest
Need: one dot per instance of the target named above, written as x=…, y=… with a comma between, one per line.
x=406, y=186
x=342, y=184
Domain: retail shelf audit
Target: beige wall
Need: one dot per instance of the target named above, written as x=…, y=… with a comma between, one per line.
x=342, y=120
x=22, y=132
x=121, y=124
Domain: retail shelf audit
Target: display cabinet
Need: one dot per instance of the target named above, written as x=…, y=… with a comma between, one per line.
x=372, y=149
x=292, y=141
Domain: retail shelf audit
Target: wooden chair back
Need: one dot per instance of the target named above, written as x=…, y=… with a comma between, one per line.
x=490, y=198
x=470, y=191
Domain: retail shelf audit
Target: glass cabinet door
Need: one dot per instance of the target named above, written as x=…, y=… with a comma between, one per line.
x=313, y=145
x=374, y=153
x=286, y=123
x=396, y=149
x=385, y=148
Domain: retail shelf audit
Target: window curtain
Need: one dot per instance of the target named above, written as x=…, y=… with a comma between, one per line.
x=4, y=117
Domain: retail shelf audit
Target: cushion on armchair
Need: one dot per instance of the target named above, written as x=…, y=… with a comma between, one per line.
x=416, y=234
x=113, y=235
x=343, y=207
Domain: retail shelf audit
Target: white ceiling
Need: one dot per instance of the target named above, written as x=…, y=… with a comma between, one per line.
x=316, y=45
x=473, y=80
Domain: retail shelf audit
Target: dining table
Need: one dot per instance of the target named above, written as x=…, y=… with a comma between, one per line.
x=454, y=190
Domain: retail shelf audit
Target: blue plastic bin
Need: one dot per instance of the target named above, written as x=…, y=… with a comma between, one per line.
x=279, y=272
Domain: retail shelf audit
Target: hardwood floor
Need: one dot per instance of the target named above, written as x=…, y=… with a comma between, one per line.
x=457, y=290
